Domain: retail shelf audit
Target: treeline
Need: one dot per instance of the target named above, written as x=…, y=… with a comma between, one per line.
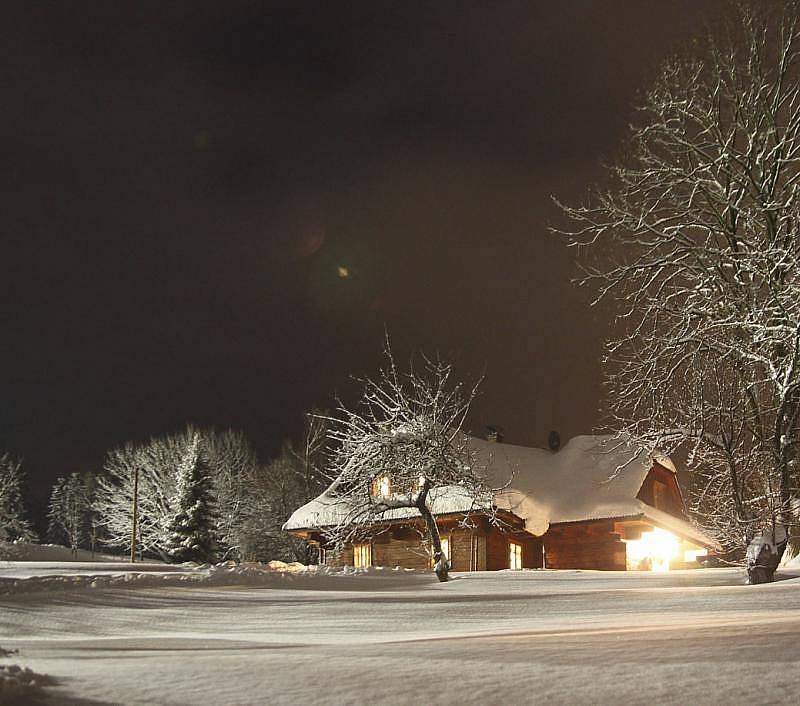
x=202, y=495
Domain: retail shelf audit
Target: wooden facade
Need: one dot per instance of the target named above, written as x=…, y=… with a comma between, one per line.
x=591, y=544
x=483, y=547
x=598, y=544
x=660, y=490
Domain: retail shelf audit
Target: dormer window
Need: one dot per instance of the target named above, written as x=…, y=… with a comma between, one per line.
x=382, y=486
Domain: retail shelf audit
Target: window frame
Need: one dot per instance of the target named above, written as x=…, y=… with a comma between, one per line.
x=514, y=555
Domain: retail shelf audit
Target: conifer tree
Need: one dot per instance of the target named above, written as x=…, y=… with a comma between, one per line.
x=191, y=532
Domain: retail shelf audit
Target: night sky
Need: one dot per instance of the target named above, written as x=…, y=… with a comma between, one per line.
x=210, y=211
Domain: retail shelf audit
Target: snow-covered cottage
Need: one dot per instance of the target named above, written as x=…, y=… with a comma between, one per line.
x=594, y=504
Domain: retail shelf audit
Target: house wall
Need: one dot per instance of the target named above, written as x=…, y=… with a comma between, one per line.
x=584, y=545
x=483, y=548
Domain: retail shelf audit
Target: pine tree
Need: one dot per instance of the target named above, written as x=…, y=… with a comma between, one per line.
x=191, y=533
x=13, y=524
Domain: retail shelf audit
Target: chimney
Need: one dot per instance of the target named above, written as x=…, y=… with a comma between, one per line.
x=494, y=434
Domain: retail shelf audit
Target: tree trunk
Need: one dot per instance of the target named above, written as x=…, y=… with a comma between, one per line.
x=440, y=563
x=763, y=556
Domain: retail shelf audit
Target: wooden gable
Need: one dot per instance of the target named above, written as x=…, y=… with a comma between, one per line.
x=660, y=490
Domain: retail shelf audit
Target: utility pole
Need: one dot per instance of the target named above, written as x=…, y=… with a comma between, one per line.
x=135, y=513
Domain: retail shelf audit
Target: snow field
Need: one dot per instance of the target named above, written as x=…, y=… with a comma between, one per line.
x=385, y=637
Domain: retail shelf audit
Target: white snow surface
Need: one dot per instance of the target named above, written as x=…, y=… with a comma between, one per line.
x=25, y=551
x=396, y=637
x=591, y=477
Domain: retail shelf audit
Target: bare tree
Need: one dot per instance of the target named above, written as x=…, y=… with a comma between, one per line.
x=401, y=446
x=157, y=461
x=68, y=512
x=697, y=239
x=232, y=464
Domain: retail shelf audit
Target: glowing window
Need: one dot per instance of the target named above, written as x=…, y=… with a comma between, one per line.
x=514, y=555
x=446, y=547
x=653, y=551
x=362, y=555
x=445, y=541
x=691, y=555
x=382, y=486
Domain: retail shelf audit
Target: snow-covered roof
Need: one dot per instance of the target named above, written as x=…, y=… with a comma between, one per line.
x=591, y=477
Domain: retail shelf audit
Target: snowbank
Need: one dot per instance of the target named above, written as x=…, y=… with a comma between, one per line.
x=21, y=551
x=275, y=574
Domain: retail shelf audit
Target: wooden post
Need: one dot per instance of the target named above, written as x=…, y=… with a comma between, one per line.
x=135, y=513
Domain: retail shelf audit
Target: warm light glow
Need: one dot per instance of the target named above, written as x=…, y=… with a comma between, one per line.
x=514, y=555
x=362, y=555
x=343, y=271
x=384, y=486
x=445, y=542
x=653, y=552
x=691, y=554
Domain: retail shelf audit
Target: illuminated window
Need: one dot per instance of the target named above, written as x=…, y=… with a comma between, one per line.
x=691, y=555
x=446, y=547
x=362, y=555
x=445, y=541
x=514, y=555
x=381, y=486
x=653, y=551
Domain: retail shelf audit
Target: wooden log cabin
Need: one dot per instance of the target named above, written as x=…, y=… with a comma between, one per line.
x=597, y=503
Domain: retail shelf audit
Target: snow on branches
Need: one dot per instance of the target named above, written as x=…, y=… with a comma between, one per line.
x=13, y=524
x=697, y=240
x=402, y=441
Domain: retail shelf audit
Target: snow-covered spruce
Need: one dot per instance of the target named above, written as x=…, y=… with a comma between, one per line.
x=252, y=499
x=191, y=531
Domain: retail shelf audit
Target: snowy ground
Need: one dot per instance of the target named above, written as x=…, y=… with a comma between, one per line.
x=391, y=637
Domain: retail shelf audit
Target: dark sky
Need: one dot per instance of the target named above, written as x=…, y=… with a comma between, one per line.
x=182, y=182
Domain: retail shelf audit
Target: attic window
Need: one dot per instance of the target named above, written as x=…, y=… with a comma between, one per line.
x=362, y=555
x=514, y=555
x=382, y=486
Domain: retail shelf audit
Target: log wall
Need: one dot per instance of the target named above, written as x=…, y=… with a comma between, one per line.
x=478, y=549
x=584, y=545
